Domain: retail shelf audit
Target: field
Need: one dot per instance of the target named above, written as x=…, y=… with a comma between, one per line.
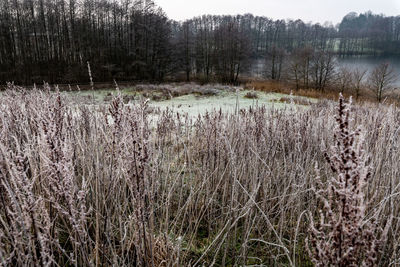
x=196, y=176
x=193, y=99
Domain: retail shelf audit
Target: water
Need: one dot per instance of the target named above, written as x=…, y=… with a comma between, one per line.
x=363, y=63
x=369, y=63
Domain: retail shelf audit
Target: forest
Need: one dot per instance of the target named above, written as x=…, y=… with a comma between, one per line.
x=52, y=41
x=229, y=140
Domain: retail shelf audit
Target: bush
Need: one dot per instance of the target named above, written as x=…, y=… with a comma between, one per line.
x=251, y=95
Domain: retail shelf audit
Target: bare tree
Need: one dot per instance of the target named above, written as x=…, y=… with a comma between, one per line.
x=299, y=67
x=357, y=77
x=294, y=72
x=323, y=69
x=344, y=78
x=382, y=80
x=274, y=63
x=134, y=39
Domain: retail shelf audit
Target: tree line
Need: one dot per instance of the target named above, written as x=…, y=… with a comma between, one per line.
x=369, y=34
x=53, y=40
x=307, y=68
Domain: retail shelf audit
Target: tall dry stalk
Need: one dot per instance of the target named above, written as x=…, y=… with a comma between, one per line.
x=344, y=234
x=122, y=185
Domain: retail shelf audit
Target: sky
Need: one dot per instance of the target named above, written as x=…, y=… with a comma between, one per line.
x=308, y=10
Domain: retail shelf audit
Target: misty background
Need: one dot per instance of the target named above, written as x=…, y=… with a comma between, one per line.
x=331, y=11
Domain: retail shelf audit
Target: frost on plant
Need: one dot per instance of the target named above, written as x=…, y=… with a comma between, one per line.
x=344, y=235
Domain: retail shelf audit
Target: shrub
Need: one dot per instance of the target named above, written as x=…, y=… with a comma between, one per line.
x=251, y=95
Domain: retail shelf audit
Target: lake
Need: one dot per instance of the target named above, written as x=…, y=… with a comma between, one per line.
x=369, y=63
x=361, y=62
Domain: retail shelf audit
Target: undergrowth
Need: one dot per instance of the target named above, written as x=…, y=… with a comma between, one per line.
x=114, y=185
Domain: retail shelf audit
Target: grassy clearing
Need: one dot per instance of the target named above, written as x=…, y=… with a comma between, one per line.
x=191, y=101
x=226, y=102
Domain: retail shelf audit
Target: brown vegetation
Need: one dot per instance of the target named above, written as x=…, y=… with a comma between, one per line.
x=286, y=88
x=343, y=235
x=361, y=91
x=114, y=185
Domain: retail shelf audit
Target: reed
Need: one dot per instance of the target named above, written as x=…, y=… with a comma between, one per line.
x=125, y=185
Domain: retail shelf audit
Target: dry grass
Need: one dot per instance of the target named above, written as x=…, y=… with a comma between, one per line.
x=251, y=95
x=112, y=185
x=344, y=235
x=297, y=100
x=329, y=93
x=285, y=88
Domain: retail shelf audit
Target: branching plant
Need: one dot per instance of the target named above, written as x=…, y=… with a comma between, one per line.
x=344, y=235
x=114, y=184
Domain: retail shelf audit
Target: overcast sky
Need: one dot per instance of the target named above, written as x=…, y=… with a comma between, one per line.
x=307, y=10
